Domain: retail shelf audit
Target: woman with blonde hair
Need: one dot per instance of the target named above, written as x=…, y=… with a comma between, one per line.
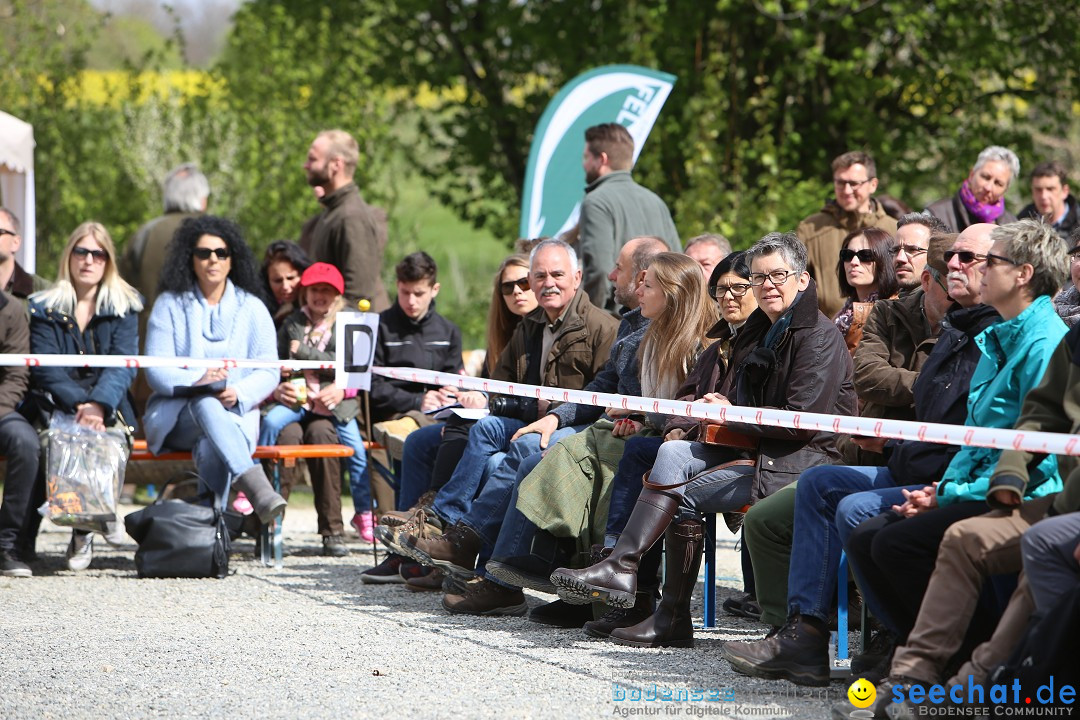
x=90, y=310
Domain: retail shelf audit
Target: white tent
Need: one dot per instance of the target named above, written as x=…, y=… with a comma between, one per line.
x=17, y=181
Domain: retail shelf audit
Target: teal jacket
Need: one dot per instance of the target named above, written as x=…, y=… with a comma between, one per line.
x=1015, y=354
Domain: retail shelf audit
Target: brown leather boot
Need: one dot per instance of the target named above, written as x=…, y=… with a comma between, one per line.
x=671, y=625
x=614, y=579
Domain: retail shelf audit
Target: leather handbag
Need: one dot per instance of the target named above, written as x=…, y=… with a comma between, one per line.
x=178, y=538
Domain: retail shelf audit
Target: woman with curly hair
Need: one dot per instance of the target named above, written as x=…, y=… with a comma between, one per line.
x=210, y=306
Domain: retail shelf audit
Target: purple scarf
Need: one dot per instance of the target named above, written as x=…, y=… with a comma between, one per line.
x=980, y=211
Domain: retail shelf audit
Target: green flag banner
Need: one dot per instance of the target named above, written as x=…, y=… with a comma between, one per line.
x=555, y=181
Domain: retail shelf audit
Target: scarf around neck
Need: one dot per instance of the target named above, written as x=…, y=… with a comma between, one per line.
x=980, y=211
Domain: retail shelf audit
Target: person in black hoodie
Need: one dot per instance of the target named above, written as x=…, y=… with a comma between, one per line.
x=413, y=334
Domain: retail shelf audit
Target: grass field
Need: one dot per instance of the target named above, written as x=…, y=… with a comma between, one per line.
x=467, y=257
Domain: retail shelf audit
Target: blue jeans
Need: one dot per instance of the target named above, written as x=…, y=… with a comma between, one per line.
x=815, y=547
x=417, y=464
x=487, y=511
x=639, y=455
x=488, y=438
x=517, y=531
x=348, y=434
x=216, y=441
x=724, y=490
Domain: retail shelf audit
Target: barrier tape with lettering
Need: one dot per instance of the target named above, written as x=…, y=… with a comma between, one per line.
x=997, y=438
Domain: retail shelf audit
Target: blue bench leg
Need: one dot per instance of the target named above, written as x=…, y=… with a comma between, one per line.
x=709, y=597
x=842, y=609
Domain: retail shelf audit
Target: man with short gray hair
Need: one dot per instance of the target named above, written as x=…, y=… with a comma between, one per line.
x=708, y=250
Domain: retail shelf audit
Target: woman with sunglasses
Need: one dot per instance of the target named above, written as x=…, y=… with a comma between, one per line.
x=90, y=310
x=431, y=453
x=867, y=273
x=210, y=306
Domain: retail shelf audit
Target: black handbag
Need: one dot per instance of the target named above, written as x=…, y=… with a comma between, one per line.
x=178, y=538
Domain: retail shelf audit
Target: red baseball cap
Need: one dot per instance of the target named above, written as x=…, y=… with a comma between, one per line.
x=321, y=272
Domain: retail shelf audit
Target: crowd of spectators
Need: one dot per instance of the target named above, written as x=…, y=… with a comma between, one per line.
x=959, y=314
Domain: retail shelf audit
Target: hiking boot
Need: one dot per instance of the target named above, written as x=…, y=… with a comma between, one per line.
x=614, y=579
x=454, y=585
x=334, y=546
x=80, y=550
x=671, y=624
x=745, y=605
x=881, y=646
x=385, y=572
x=260, y=493
x=400, y=517
x=561, y=614
x=12, y=566
x=455, y=550
x=483, y=597
x=799, y=652
x=425, y=579
x=616, y=618
x=393, y=536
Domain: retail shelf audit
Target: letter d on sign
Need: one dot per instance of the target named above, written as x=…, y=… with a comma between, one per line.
x=355, y=335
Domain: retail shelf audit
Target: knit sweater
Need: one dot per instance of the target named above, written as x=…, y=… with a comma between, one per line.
x=185, y=325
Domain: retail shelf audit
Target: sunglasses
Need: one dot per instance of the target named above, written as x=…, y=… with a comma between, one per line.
x=507, y=288
x=5, y=231
x=865, y=256
x=992, y=260
x=966, y=257
x=205, y=253
x=98, y=255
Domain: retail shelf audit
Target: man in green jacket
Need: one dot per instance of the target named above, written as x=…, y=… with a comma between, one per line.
x=615, y=209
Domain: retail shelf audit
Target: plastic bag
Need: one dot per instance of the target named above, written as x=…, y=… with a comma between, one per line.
x=85, y=472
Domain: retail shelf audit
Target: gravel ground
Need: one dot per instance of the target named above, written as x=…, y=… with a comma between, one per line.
x=311, y=641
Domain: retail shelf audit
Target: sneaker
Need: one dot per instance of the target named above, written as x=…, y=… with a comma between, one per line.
x=410, y=570
x=364, y=524
x=454, y=550
x=242, y=505
x=385, y=572
x=799, y=652
x=561, y=614
x=427, y=580
x=334, y=546
x=80, y=550
x=12, y=566
x=115, y=534
x=483, y=597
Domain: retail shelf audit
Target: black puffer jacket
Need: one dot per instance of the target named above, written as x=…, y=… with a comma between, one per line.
x=941, y=393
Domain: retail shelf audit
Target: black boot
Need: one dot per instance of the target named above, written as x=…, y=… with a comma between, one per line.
x=616, y=618
x=799, y=652
x=671, y=624
x=614, y=579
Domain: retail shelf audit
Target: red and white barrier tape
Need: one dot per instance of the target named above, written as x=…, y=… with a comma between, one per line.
x=1038, y=442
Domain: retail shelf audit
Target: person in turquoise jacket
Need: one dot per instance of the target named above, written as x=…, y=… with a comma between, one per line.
x=896, y=552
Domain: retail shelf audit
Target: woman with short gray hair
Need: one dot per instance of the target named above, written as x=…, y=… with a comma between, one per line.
x=981, y=197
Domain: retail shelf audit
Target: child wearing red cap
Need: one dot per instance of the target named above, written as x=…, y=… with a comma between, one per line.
x=308, y=334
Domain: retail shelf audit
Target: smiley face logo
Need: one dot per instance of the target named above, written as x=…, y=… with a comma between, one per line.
x=862, y=693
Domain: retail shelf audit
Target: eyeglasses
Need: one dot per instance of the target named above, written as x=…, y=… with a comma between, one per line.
x=865, y=256
x=737, y=290
x=909, y=250
x=97, y=255
x=507, y=288
x=937, y=278
x=205, y=253
x=992, y=260
x=966, y=257
x=776, y=277
x=855, y=184
x=5, y=231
